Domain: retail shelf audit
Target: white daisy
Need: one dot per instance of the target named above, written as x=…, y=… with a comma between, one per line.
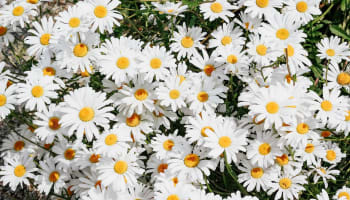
x=302, y=10
x=310, y=153
x=7, y=98
x=16, y=13
x=217, y=9
x=333, y=50
x=261, y=8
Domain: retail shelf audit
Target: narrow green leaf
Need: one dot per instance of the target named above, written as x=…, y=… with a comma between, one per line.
x=339, y=32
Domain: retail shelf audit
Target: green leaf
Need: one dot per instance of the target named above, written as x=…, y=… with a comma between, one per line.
x=339, y=32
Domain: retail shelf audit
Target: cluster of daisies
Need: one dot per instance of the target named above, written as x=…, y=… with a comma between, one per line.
x=156, y=129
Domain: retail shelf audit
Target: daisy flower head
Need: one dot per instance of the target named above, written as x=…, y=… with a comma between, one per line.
x=50, y=176
x=7, y=98
x=263, y=150
x=121, y=172
x=237, y=196
x=322, y=196
x=103, y=15
x=83, y=109
x=260, y=51
x=17, y=170
x=259, y=8
x=113, y=142
x=41, y=43
x=247, y=22
x=302, y=10
x=165, y=146
x=343, y=125
x=155, y=61
x=87, y=158
x=6, y=36
x=217, y=9
x=233, y=59
x=66, y=154
x=169, y=191
x=186, y=41
x=156, y=166
x=16, y=13
x=162, y=116
x=37, y=92
x=342, y=194
x=326, y=173
x=226, y=35
x=310, y=153
x=333, y=153
x=337, y=78
x=79, y=55
x=170, y=8
x=333, y=50
x=297, y=57
x=225, y=137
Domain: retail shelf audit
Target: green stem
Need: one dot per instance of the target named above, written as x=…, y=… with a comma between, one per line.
x=233, y=175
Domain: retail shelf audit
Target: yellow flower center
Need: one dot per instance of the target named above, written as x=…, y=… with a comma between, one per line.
x=94, y=158
x=19, y=170
x=323, y=170
x=74, y=22
x=225, y=141
x=285, y=183
x=331, y=155
x=100, y=11
x=246, y=25
x=18, y=146
x=168, y=145
x=162, y=167
x=120, y=167
x=80, y=50
x=123, y=62
x=272, y=107
x=216, y=7
x=262, y=3
x=54, y=176
x=69, y=154
x=134, y=120
x=182, y=78
x=326, y=133
x=282, y=160
x=18, y=11
x=326, y=105
x=232, y=59
x=261, y=49
x=170, y=10
x=288, y=78
x=208, y=69
x=173, y=197
x=347, y=117
x=264, y=149
x=344, y=194
x=37, y=91
x=226, y=40
x=309, y=148
x=111, y=139
x=155, y=63
x=3, y=30
x=45, y=38
x=187, y=42
x=204, y=129
x=174, y=94
x=330, y=52
x=191, y=160
x=33, y=1
x=290, y=50
x=141, y=94
x=3, y=99
x=282, y=34
x=257, y=172
x=86, y=114
x=301, y=6
x=49, y=71
x=202, y=96
x=302, y=128
x=54, y=123
x=343, y=78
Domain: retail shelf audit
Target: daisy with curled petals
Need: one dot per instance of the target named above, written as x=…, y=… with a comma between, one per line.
x=337, y=78
x=217, y=9
x=155, y=61
x=117, y=61
x=186, y=41
x=342, y=193
x=41, y=42
x=331, y=107
x=247, y=22
x=7, y=98
x=191, y=164
x=135, y=125
x=263, y=150
x=310, y=153
x=66, y=154
x=37, y=92
x=121, y=172
x=323, y=172
x=172, y=93
x=227, y=34
x=16, y=170
x=113, y=142
x=87, y=158
x=288, y=186
x=333, y=50
x=233, y=59
x=302, y=10
x=136, y=99
x=165, y=146
x=255, y=177
x=156, y=166
x=103, y=15
x=333, y=153
x=86, y=183
x=79, y=55
x=48, y=124
x=16, y=13
x=225, y=137
x=50, y=176
x=259, y=8
x=83, y=109
x=287, y=163
x=205, y=95
x=197, y=125
x=162, y=116
x=6, y=36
